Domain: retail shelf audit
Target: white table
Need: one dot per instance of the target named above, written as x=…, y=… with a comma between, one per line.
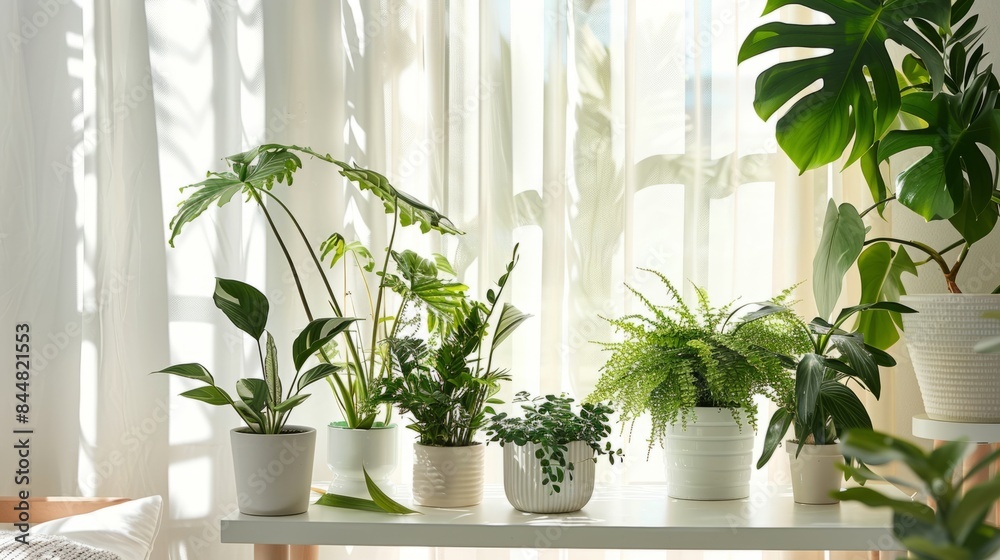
x=633, y=517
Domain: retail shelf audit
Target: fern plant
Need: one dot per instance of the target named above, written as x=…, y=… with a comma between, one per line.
x=443, y=382
x=674, y=358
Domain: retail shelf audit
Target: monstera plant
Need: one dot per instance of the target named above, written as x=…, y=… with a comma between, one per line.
x=937, y=103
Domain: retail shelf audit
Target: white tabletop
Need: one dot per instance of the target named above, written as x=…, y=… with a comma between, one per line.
x=944, y=430
x=631, y=517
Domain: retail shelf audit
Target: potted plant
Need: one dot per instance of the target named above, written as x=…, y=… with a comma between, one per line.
x=696, y=374
x=549, y=453
x=267, y=444
x=822, y=407
x=447, y=384
x=948, y=107
x=366, y=438
x=955, y=526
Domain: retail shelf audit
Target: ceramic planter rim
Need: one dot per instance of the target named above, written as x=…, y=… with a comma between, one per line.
x=287, y=430
x=341, y=425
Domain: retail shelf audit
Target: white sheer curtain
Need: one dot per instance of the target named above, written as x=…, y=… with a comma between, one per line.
x=601, y=135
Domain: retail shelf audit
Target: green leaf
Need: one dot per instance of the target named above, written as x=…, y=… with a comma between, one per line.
x=808, y=379
x=853, y=351
x=971, y=511
x=418, y=279
x=312, y=375
x=338, y=247
x=316, y=334
x=190, y=371
x=271, y=378
x=252, y=418
x=348, y=502
x=846, y=409
x=443, y=265
x=253, y=392
x=882, y=280
x=382, y=500
x=873, y=498
x=936, y=186
x=841, y=244
x=411, y=210
x=859, y=98
x=873, y=448
x=209, y=394
x=245, y=306
x=290, y=403
x=510, y=319
x=255, y=169
x=776, y=430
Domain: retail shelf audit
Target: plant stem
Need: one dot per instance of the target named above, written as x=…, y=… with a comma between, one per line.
x=329, y=289
x=288, y=257
x=934, y=255
x=877, y=204
x=952, y=277
x=381, y=287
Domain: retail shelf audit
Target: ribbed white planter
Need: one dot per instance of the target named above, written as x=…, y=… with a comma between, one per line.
x=522, y=479
x=711, y=458
x=448, y=477
x=956, y=383
x=273, y=472
x=348, y=450
x=814, y=472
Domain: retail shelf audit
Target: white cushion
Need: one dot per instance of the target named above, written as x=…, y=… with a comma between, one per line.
x=127, y=529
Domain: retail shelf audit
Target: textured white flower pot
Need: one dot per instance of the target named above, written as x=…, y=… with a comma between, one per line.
x=348, y=450
x=956, y=383
x=273, y=472
x=522, y=479
x=711, y=458
x=448, y=477
x=814, y=472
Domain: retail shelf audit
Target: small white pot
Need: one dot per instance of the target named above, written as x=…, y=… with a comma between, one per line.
x=814, y=472
x=273, y=471
x=448, y=477
x=957, y=383
x=522, y=479
x=348, y=450
x=710, y=459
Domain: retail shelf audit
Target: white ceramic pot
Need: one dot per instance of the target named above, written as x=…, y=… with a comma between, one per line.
x=273, y=472
x=348, y=450
x=709, y=459
x=522, y=479
x=448, y=477
x=956, y=383
x=814, y=472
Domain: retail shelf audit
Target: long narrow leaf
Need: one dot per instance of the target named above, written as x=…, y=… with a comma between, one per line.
x=385, y=502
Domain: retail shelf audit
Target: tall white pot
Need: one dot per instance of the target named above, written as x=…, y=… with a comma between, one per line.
x=709, y=459
x=956, y=383
x=448, y=477
x=273, y=471
x=522, y=479
x=348, y=450
x=814, y=472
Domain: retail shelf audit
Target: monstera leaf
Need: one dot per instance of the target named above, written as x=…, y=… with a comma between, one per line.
x=860, y=96
x=881, y=271
x=955, y=177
